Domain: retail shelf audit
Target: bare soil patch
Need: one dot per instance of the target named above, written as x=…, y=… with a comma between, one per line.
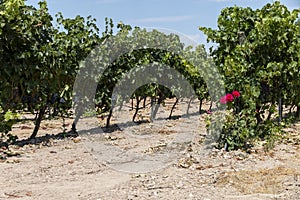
x=66, y=168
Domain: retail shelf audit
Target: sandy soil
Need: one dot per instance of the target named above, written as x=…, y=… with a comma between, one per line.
x=165, y=159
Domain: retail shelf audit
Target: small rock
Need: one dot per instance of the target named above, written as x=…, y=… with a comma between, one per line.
x=109, y=137
x=12, y=153
x=252, y=151
x=199, y=167
x=13, y=161
x=29, y=193
x=239, y=158
x=113, y=138
x=185, y=162
x=170, y=125
x=77, y=139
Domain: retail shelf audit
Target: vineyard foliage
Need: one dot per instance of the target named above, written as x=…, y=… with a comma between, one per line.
x=257, y=54
x=141, y=54
x=39, y=59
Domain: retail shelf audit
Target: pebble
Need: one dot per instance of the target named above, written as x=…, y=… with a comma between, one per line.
x=77, y=139
x=12, y=153
x=109, y=137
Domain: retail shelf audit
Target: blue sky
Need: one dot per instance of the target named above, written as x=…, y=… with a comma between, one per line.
x=184, y=16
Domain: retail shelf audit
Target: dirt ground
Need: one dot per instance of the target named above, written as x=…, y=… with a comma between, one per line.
x=166, y=159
